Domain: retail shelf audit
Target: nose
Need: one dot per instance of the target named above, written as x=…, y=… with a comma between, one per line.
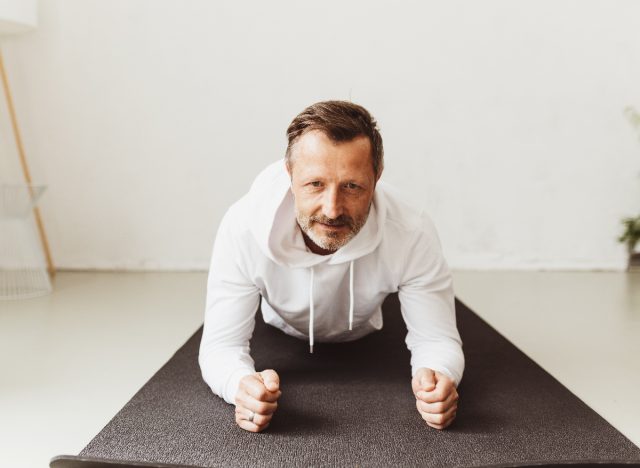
x=332, y=203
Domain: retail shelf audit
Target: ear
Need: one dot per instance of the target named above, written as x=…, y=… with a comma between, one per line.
x=378, y=177
x=288, y=168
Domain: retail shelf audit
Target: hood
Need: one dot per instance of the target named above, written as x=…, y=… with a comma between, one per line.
x=277, y=233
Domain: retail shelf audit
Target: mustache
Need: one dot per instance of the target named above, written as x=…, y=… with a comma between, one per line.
x=342, y=220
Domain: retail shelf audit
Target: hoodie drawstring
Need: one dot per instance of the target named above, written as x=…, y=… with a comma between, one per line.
x=351, y=296
x=311, y=306
x=311, y=312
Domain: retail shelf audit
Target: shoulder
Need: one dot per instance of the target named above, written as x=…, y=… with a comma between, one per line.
x=403, y=218
x=255, y=205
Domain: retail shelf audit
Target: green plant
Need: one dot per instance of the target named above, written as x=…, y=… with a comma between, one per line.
x=631, y=234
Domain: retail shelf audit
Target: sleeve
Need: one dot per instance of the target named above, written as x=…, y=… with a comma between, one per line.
x=428, y=307
x=232, y=301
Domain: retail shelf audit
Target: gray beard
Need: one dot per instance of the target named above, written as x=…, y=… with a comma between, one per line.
x=331, y=241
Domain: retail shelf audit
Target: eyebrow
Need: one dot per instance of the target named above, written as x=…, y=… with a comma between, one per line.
x=361, y=182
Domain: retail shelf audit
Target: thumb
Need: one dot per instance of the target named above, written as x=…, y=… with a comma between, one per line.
x=427, y=379
x=270, y=379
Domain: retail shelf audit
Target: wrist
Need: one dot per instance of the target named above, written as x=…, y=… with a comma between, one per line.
x=233, y=383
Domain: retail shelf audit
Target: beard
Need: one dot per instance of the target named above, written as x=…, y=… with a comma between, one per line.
x=331, y=240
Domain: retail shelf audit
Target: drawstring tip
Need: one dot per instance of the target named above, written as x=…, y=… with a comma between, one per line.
x=310, y=349
x=351, y=326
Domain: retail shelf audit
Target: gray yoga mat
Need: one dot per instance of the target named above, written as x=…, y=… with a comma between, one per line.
x=350, y=404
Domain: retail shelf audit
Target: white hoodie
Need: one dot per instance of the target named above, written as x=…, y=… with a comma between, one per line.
x=259, y=252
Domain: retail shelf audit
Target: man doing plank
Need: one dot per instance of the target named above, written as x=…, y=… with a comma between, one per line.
x=319, y=242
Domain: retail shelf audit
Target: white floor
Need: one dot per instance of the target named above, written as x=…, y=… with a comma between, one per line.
x=69, y=361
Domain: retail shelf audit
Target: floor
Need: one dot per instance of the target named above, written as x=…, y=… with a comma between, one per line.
x=69, y=361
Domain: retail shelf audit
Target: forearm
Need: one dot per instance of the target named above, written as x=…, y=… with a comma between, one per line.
x=223, y=366
x=428, y=309
x=232, y=301
x=224, y=350
x=444, y=357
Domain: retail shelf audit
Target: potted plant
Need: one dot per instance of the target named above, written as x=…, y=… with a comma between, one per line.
x=631, y=234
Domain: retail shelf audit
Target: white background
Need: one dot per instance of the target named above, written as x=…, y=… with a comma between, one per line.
x=148, y=118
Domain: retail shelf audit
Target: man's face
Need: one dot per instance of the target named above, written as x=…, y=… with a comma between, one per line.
x=333, y=185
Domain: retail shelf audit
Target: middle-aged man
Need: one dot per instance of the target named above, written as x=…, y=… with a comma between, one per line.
x=322, y=241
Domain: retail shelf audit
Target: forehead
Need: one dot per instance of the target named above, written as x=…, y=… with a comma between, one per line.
x=316, y=154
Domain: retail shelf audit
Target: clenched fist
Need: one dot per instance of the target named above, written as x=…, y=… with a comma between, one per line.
x=436, y=397
x=257, y=400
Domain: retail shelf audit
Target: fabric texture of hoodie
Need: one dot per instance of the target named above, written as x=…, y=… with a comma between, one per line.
x=260, y=258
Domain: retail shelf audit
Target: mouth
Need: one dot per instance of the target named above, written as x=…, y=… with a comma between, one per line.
x=331, y=227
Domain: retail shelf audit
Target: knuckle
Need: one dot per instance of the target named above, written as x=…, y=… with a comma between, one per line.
x=423, y=407
x=261, y=420
x=263, y=408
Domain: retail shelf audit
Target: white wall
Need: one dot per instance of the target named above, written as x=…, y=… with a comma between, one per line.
x=147, y=118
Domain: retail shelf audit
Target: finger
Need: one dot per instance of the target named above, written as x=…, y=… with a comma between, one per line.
x=428, y=379
x=247, y=415
x=415, y=384
x=442, y=390
x=251, y=427
x=256, y=389
x=262, y=419
x=259, y=407
x=442, y=419
x=423, y=380
x=445, y=425
x=444, y=382
x=438, y=406
x=271, y=380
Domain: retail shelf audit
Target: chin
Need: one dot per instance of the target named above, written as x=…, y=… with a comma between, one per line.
x=329, y=242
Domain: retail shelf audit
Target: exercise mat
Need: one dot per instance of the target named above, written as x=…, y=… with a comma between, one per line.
x=350, y=404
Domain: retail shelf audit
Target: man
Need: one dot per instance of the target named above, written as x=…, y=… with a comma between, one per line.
x=323, y=242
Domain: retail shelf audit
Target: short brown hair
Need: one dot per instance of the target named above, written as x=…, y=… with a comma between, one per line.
x=340, y=121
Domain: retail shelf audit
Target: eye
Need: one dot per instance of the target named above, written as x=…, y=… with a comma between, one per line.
x=315, y=183
x=352, y=186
